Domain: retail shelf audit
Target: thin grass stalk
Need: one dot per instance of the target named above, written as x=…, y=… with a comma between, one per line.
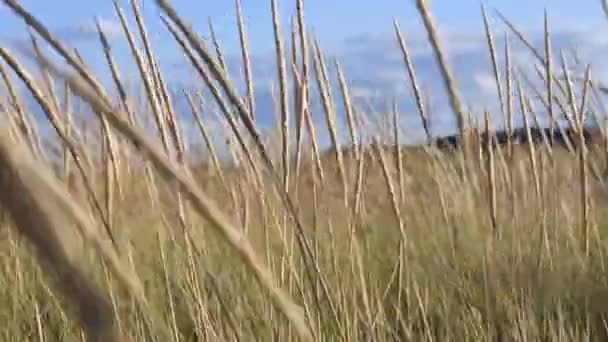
x=595, y=117
x=113, y=297
x=51, y=92
x=244, y=40
x=218, y=49
x=229, y=138
x=282, y=74
x=305, y=78
x=549, y=77
x=348, y=108
x=362, y=288
x=545, y=139
x=388, y=180
x=68, y=131
x=494, y=324
x=169, y=294
x=208, y=144
x=315, y=242
x=109, y=176
x=113, y=162
x=144, y=74
x=38, y=321
x=584, y=182
x=493, y=58
x=171, y=115
x=398, y=155
x=491, y=172
x=303, y=44
x=310, y=126
x=585, y=96
x=123, y=100
x=198, y=313
x=324, y=72
x=556, y=97
x=113, y=179
x=605, y=174
x=414, y=82
x=446, y=73
x=519, y=35
x=330, y=116
x=298, y=105
x=10, y=120
x=23, y=121
x=144, y=38
x=600, y=103
x=535, y=173
x=571, y=95
x=357, y=193
x=115, y=74
x=502, y=159
x=510, y=128
x=565, y=114
x=509, y=96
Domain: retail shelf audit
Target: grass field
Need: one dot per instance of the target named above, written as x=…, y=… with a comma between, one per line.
x=118, y=232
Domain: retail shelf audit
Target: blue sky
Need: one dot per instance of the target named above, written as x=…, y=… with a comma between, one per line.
x=332, y=20
x=358, y=33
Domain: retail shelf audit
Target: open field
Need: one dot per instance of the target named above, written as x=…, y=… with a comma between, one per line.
x=118, y=231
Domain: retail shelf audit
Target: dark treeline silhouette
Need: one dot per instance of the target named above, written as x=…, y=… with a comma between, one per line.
x=559, y=137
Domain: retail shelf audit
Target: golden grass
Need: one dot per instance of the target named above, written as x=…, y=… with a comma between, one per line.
x=365, y=241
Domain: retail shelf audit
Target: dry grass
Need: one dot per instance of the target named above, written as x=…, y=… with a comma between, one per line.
x=368, y=240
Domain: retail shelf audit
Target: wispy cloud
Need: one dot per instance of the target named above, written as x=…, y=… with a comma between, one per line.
x=364, y=93
x=486, y=83
x=87, y=30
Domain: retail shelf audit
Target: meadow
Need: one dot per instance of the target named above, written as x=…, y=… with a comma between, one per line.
x=116, y=230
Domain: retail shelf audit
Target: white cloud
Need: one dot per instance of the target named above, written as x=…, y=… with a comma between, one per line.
x=363, y=92
x=416, y=42
x=86, y=30
x=486, y=83
x=110, y=27
x=390, y=75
